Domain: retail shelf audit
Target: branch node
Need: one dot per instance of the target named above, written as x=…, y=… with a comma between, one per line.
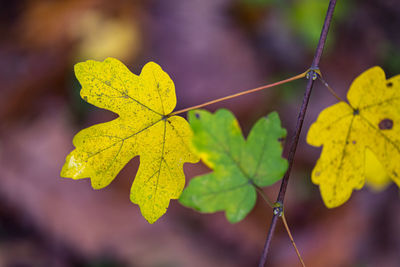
x=278, y=209
x=313, y=73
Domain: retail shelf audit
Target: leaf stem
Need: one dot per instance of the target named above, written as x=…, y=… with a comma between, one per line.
x=302, y=75
x=330, y=89
x=299, y=124
x=264, y=196
x=291, y=238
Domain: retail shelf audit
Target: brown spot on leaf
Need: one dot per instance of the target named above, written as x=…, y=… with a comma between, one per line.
x=389, y=84
x=386, y=124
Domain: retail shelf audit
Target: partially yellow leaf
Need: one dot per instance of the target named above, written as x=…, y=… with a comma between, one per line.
x=370, y=120
x=143, y=128
x=100, y=36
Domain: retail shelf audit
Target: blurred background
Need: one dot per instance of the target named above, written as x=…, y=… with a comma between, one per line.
x=210, y=48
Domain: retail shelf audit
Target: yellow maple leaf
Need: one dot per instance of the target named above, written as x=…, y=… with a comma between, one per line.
x=371, y=120
x=144, y=127
x=376, y=177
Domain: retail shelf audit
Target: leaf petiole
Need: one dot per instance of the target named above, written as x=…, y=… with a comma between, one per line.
x=330, y=88
x=291, y=238
x=302, y=75
x=264, y=196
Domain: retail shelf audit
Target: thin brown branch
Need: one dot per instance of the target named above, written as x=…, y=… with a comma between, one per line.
x=291, y=239
x=299, y=124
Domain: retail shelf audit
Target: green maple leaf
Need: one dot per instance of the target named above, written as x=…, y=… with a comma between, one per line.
x=239, y=165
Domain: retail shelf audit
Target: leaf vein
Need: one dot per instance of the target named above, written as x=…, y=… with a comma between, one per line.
x=135, y=100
